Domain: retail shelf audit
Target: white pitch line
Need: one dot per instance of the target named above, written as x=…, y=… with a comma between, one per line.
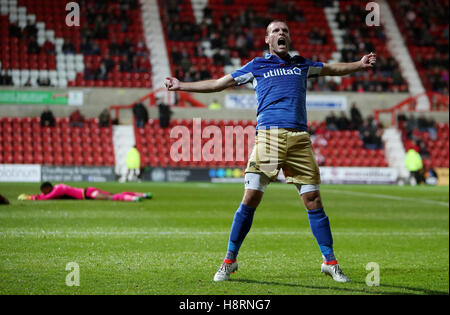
x=381, y=196
x=194, y=233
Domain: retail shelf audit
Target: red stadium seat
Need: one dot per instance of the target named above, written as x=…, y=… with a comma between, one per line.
x=67, y=159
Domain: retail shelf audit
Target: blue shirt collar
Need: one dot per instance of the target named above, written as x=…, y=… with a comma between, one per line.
x=269, y=56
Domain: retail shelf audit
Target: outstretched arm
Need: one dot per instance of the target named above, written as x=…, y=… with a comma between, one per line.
x=366, y=62
x=206, y=86
x=57, y=192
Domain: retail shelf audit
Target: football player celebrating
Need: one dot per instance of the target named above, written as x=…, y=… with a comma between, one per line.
x=63, y=191
x=279, y=81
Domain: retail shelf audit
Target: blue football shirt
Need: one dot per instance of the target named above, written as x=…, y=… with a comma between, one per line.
x=280, y=87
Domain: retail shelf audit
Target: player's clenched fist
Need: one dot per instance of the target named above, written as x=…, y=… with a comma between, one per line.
x=172, y=84
x=368, y=61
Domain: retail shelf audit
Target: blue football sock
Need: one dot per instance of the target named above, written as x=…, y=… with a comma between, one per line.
x=242, y=223
x=320, y=227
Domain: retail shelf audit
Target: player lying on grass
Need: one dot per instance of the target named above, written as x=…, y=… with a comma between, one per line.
x=279, y=81
x=63, y=191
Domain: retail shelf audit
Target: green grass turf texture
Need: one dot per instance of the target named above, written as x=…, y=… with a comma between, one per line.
x=174, y=243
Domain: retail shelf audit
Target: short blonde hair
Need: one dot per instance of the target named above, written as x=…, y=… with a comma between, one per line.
x=275, y=21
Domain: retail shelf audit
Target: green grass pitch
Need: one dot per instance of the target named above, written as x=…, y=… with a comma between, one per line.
x=174, y=243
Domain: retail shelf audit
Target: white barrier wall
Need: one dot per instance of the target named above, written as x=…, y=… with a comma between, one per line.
x=20, y=173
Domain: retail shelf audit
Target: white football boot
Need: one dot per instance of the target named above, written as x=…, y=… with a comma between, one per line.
x=225, y=270
x=335, y=272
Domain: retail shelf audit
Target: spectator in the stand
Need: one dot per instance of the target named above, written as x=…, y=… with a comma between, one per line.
x=76, y=119
x=86, y=47
x=109, y=63
x=218, y=59
x=241, y=46
x=379, y=138
x=125, y=47
x=114, y=47
x=48, y=48
x=216, y=41
x=43, y=81
x=141, y=49
x=89, y=71
x=30, y=30
x=47, y=118
x=126, y=66
x=102, y=72
x=367, y=139
x=87, y=33
x=174, y=32
x=176, y=56
x=15, y=30
x=140, y=114
x=207, y=12
x=104, y=119
x=412, y=122
x=278, y=7
x=188, y=77
x=100, y=28
x=144, y=65
x=356, y=117
x=204, y=73
x=165, y=113
x=342, y=122
x=199, y=51
x=96, y=49
x=185, y=64
x=315, y=38
x=68, y=47
x=294, y=13
x=106, y=65
x=5, y=78
x=422, y=123
x=331, y=121
x=226, y=57
x=33, y=46
x=372, y=139
x=431, y=127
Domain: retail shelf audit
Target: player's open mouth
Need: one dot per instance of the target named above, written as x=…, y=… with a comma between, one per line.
x=281, y=42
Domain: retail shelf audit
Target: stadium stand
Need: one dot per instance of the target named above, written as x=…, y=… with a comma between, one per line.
x=419, y=130
x=232, y=33
x=155, y=143
x=347, y=147
x=23, y=140
x=109, y=50
x=334, y=148
x=359, y=39
x=424, y=25
x=427, y=137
